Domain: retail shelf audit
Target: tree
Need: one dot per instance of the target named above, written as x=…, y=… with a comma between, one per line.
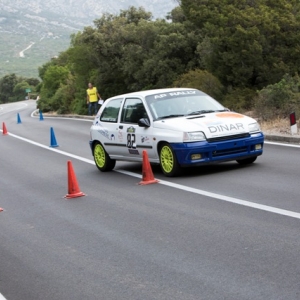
x=32, y=81
x=44, y=68
x=247, y=43
x=134, y=15
x=121, y=53
x=7, y=84
x=54, y=77
x=130, y=52
x=203, y=81
x=12, y=87
x=177, y=15
x=171, y=54
x=19, y=91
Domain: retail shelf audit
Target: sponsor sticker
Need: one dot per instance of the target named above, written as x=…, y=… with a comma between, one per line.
x=174, y=94
x=230, y=115
x=104, y=132
x=120, y=136
x=239, y=127
x=144, y=139
x=131, y=129
x=134, y=151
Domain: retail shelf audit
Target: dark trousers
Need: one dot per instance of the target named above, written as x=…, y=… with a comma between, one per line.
x=93, y=107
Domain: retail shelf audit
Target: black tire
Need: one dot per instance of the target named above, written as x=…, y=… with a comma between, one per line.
x=168, y=161
x=247, y=161
x=102, y=160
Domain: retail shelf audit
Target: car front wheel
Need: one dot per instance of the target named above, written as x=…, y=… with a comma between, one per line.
x=168, y=161
x=102, y=160
x=247, y=161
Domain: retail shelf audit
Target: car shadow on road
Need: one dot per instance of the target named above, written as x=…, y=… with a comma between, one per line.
x=213, y=169
x=191, y=171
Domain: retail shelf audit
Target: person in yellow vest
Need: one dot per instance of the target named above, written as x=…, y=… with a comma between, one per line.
x=92, y=99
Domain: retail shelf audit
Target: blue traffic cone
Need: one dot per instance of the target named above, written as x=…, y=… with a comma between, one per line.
x=53, y=142
x=19, y=119
x=41, y=116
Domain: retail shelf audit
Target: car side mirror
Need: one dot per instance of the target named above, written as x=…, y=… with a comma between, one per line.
x=144, y=122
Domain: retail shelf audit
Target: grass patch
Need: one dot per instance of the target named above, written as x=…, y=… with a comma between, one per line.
x=276, y=126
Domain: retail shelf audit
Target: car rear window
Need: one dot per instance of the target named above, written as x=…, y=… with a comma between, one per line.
x=111, y=111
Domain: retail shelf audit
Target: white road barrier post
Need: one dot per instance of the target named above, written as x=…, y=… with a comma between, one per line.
x=294, y=129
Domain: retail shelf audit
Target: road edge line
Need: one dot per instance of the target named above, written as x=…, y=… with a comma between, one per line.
x=229, y=199
x=2, y=297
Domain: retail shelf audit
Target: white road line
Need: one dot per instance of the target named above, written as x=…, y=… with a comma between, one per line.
x=262, y=207
x=283, y=145
x=2, y=297
x=89, y=161
x=223, y=198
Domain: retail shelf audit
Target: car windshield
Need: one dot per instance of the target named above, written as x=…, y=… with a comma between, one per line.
x=181, y=103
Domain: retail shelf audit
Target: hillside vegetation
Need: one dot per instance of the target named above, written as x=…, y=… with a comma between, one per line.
x=47, y=26
x=21, y=29
x=244, y=53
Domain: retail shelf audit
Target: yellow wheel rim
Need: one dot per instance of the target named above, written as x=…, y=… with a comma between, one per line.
x=99, y=155
x=167, y=159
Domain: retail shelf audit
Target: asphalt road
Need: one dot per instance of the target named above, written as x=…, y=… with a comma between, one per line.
x=125, y=241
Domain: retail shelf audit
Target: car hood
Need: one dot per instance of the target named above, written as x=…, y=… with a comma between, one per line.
x=212, y=124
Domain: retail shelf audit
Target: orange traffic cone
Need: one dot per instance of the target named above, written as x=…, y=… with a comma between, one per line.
x=148, y=177
x=4, y=130
x=73, y=187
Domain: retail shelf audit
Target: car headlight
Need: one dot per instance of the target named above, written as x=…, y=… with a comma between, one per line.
x=195, y=136
x=254, y=127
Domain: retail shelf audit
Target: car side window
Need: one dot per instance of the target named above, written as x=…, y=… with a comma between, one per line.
x=111, y=111
x=133, y=111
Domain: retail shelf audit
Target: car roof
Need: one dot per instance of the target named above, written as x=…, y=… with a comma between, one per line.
x=151, y=92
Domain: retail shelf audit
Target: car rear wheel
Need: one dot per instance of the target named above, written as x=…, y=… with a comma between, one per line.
x=247, y=161
x=102, y=160
x=168, y=161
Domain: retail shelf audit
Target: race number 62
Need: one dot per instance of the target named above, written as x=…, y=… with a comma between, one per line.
x=131, y=140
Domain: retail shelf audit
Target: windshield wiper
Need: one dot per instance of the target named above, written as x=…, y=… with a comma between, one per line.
x=201, y=112
x=169, y=116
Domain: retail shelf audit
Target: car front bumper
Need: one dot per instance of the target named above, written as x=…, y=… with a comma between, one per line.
x=233, y=149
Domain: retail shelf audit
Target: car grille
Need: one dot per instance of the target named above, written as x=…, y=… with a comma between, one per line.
x=228, y=137
x=229, y=151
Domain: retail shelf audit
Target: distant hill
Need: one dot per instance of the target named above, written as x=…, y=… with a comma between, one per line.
x=33, y=31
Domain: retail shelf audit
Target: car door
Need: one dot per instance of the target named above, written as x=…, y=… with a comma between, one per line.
x=137, y=138
x=107, y=126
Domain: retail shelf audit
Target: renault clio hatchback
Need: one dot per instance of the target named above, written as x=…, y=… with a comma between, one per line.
x=178, y=127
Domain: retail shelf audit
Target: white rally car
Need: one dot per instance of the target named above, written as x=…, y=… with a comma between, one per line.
x=178, y=127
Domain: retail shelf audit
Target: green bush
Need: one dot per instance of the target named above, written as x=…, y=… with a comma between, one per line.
x=202, y=80
x=239, y=99
x=79, y=106
x=279, y=99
